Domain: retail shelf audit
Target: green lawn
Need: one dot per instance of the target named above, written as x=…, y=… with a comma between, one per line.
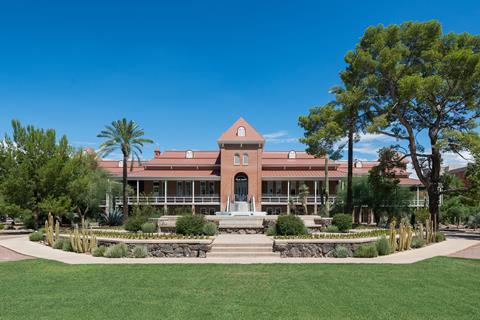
x=440, y=288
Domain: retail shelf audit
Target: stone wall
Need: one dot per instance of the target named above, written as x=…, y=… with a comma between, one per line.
x=241, y=230
x=315, y=249
x=167, y=249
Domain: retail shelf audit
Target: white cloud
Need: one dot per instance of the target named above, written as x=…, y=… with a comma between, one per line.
x=280, y=136
x=369, y=137
x=455, y=160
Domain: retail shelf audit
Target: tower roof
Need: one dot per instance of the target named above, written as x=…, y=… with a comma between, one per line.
x=241, y=132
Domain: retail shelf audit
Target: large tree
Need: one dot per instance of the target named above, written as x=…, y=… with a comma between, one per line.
x=421, y=87
x=127, y=137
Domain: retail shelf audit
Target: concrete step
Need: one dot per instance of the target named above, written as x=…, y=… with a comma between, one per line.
x=246, y=244
x=243, y=254
x=241, y=249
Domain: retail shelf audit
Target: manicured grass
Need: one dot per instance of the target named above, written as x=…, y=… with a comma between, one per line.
x=440, y=288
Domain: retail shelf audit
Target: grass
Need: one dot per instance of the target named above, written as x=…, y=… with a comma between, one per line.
x=439, y=288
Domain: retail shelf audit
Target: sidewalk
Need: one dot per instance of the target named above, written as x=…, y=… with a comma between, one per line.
x=22, y=245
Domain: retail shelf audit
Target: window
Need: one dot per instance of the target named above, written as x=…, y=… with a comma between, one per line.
x=203, y=211
x=270, y=188
x=211, y=188
x=278, y=187
x=358, y=164
x=277, y=211
x=188, y=188
x=180, y=188
x=269, y=210
x=241, y=131
x=189, y=154
x=203, y=188
x=292, y=155
x=156, y=188
x=245, y=159
x=236, y=159
x=293, y=188
x=211, y=211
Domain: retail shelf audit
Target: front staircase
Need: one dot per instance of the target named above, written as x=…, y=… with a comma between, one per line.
x=242, y=246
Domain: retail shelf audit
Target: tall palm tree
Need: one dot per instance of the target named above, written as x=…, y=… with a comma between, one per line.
x=126, y=136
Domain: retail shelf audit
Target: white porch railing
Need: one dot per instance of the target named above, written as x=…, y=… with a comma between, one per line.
x=215, y=199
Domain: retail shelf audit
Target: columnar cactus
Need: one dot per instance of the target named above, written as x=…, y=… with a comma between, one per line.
x=393, y=236
x=49, y=229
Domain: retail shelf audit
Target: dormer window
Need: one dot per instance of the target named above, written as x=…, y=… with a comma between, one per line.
x=292, y=155
x=120, y=164
x=241, y=132
x=189, y=154
x=358, y=164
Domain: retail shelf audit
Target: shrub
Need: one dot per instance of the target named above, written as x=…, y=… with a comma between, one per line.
x=2, y=226
x=140, y=252
x=67, y=246
x=36, y=236
x=417, y=243
x=342, y=221
x=58, y=244
x=148, y=227
x=112, y=218
x=332, y=229
x=210, y=229
x=271, y=231
x=474, y=221
x=421, y=215
x=99, y=251
x=439, y=237
x=340, y=252
x=116, y=251
x=147, y=211
x=290, y=225
x=134, y=223
x=192, y=224
x=383, y=246
x=183, y=211
x=366, y=251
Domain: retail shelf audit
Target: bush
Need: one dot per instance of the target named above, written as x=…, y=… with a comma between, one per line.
x=210, y=229
x=112, y=218
x=147, y=211
x=421, y=215
x=366, y=251
x=140, y=252
x=383, y=246
x=332, y=229
x=134, y=223
x=271, y=231
x=67, y=246
x=116, y=251
x=191, y=225
x=36, y=236
x=183, y=211
x=439, y=237
x=2, y=226
x=340, y=252
x=58, y=244
x=417, y=243
x=290, y=225
x=99, y=251
x=342, y=221
x=148, y=227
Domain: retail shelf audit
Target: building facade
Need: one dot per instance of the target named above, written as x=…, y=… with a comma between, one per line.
x=240, y=176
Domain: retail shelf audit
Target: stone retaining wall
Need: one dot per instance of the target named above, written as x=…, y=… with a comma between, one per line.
x=317, y=248
x=241, y=230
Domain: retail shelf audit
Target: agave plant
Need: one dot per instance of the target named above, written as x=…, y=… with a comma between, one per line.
x=113, y=217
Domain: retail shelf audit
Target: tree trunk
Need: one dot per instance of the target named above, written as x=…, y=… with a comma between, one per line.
x=124, y=184
x=327, y=187
x=35, y=218
x=433, y=188
x=349, y=203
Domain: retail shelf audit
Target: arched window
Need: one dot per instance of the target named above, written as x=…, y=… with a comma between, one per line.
x=236, y=159
x=245, y=159
x=358, y=164
x=292, y=155
x=241, y=131
x=189, y=154
x=120, y=164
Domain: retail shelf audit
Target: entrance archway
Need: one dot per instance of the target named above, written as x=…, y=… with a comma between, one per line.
x=241, y=187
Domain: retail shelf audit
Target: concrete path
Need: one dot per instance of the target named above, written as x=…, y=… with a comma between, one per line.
x=10, y=255
x=472, y=252
x=22, y=245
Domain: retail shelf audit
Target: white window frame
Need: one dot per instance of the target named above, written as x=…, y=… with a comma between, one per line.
x=189, y=154
x=292, y=154
x=245, y=157
x=241, y=132
x=236, y=159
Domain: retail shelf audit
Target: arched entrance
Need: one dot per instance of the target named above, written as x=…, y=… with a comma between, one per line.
x=241, y=187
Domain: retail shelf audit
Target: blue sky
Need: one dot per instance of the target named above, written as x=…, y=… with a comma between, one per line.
x=187, y=70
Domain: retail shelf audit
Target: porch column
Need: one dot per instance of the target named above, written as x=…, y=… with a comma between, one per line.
x=315, y=198
x=288, y=196
x=138, y=191
x=107, y=202
x=418, y=197
x=165, y=209
x=193, y=196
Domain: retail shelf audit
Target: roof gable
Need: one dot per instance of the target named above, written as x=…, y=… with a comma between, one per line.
x=250, y=134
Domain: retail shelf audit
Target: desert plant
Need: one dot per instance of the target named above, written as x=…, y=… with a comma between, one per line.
x=49, y=230
x=82, y=242
x=421, y=215
x=67, y=246
x=113, y=217
x=439, y=237
x=340, y=252
x=430, y=236
x=58, y=244
x=2, y=226
x=342, y=221
x=118, y=250
x=406, y=235
x=36, y=236
x=366, y=251
x=392, y=237
x=148, y=227
x=332, y=229
x=290, y=225
x=271, y=231
x=140, y=252
x=418, y=242
x=210, y=229
x=134, y=223
x=383, y=246
x=99, y=251
x=190, y=224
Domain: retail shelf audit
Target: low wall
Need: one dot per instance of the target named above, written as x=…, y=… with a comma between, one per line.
x=182, y=248
x=317, y=248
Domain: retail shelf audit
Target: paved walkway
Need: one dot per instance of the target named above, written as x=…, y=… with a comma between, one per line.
x=472, y=252
x=10, y=255
x=22, y=245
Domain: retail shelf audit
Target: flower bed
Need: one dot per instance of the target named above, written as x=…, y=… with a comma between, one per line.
x=352, y=235
x=145, y=236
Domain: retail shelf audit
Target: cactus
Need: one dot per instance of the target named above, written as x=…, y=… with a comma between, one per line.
x=409, y=237
x=57, y=231
x=82, y=241
x=49, y=230
x=430, y=231
x=393, y=236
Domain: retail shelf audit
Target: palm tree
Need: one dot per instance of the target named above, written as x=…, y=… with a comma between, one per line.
x=126, y=136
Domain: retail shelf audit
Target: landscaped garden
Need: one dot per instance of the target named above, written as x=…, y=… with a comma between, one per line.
x=439, y=288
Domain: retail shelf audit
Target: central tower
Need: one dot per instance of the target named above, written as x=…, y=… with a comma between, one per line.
x=241, y=148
